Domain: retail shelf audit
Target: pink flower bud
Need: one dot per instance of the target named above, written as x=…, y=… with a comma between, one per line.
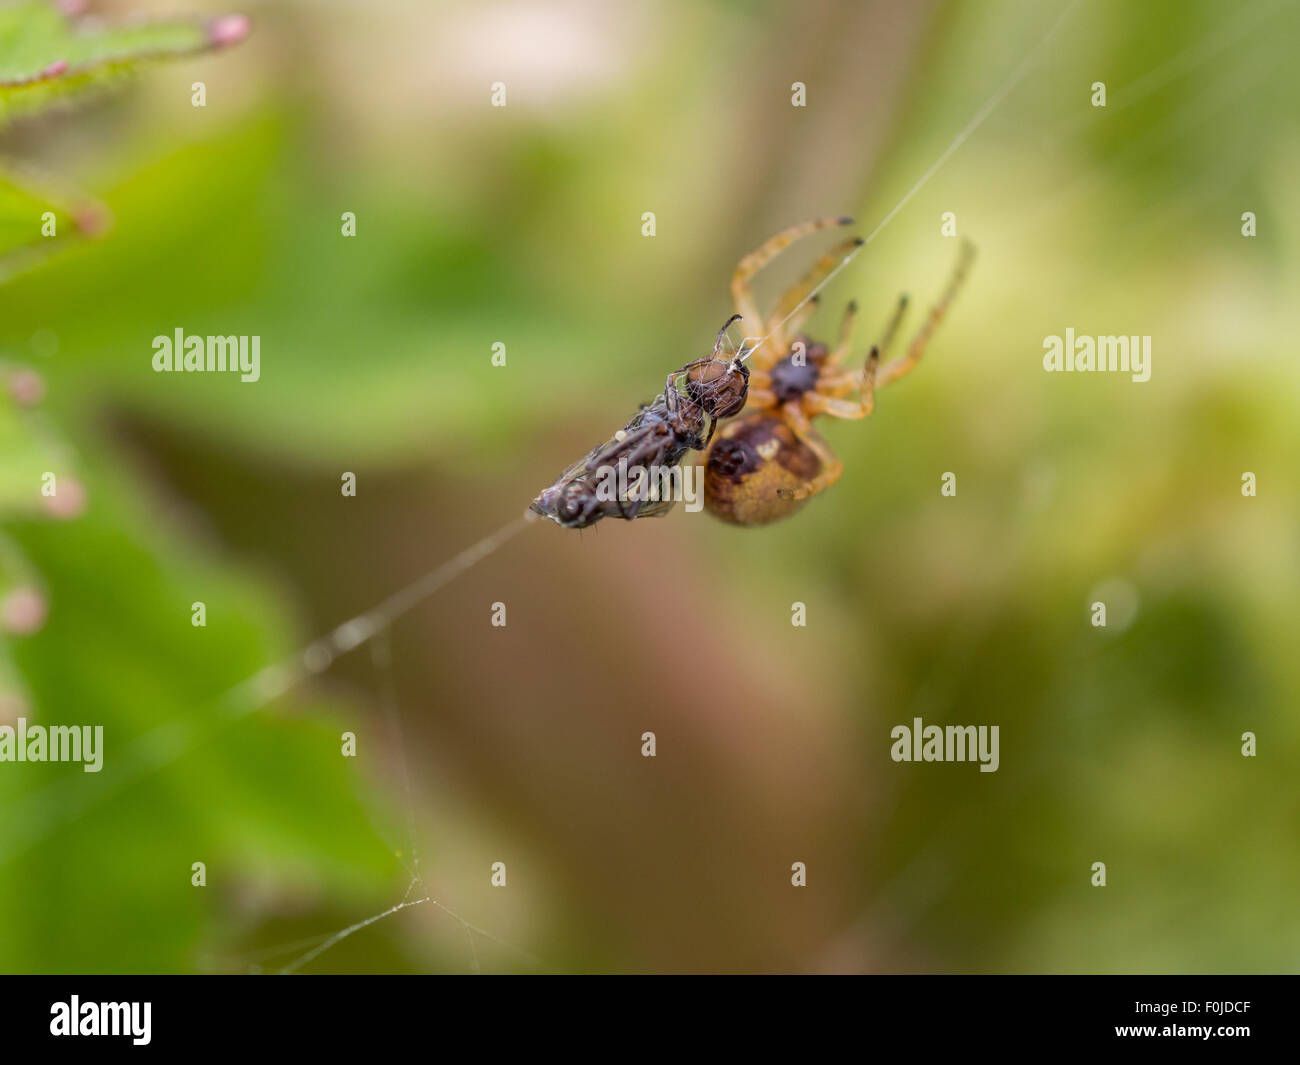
x=27, y=387
x=68, y=501
x=12, y=707
x=228, y=30
x=23, y=611
x=91, y=221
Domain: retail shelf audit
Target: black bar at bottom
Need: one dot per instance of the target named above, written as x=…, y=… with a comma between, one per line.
x=1226, y=1014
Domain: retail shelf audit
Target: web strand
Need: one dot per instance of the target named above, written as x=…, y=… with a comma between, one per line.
x=338, y=937
x=40, y=814
x=977, y=120
x=386, y=684
x=318, y=655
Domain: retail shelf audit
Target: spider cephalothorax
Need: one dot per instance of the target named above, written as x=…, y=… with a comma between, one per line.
x=799, y=371
x=766, y=463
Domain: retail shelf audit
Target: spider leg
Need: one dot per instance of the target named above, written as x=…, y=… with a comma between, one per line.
x=891, y=328
x=742, y=295
x=760, y=399
x=847, y=380
x=797, y=295
x=832, y=467
x=904, y=365
x=819, y=402
x=845, y=341
x=838, y=384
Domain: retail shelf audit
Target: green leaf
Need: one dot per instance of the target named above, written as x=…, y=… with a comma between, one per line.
x=47, y=57
x=24, y=456
x=38, y=219
x=265, y=799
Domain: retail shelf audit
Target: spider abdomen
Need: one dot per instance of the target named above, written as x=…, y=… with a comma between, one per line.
x=754, y=471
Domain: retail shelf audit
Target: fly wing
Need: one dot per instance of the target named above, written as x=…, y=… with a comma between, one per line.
x=579, y=477
x=656, y=508
x=573, y=499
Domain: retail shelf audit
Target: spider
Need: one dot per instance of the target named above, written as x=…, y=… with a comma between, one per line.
x=695, y=399
x=767, y=463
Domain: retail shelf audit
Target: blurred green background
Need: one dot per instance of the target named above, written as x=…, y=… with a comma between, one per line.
x=522, y=225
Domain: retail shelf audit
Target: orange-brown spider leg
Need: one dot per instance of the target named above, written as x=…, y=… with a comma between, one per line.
x=891, y=328
x=845, y=381
x=832, y=467
x=845, y=341
x=798, y=295
x=850, y=377
x=825, y=401
x=742, y=295
x=837, y=384
x=904, y=365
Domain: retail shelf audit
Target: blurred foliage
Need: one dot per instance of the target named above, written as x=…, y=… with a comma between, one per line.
x=35, y=223
x=523, y=226
x=48, y=57
x=118, y=648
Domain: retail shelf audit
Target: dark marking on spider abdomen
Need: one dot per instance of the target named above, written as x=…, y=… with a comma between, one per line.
x=753, y=470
